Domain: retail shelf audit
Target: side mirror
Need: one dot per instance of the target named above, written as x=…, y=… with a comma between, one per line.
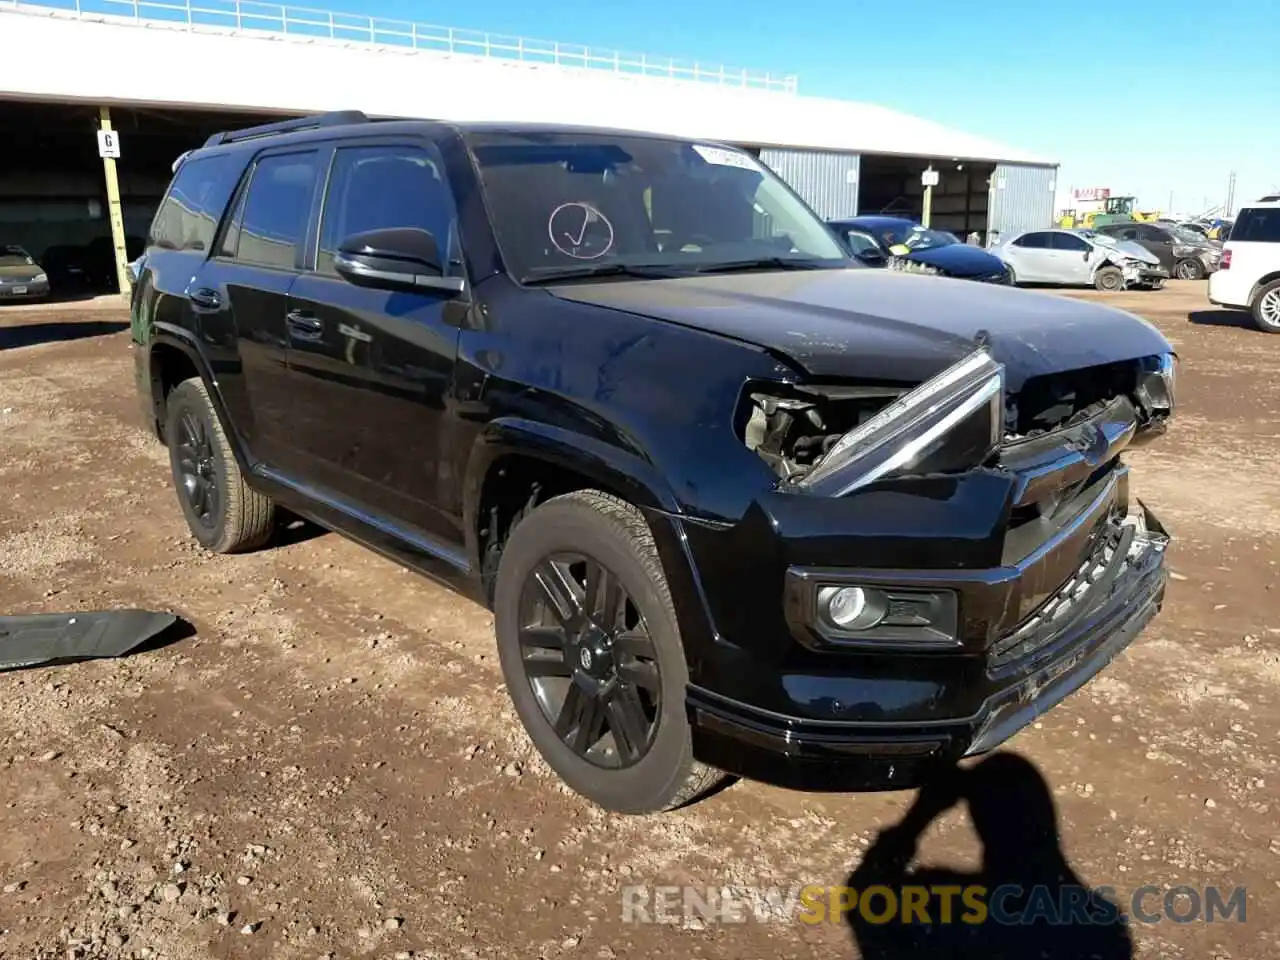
x=399, y=258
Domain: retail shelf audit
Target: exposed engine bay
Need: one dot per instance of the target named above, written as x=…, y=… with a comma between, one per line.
x=792, y=427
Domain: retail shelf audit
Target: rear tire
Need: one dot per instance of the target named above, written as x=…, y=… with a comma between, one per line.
x=1109, y=279
x=611, y=723
x=1266, y=308
x=223, y=513
x=1188, y=269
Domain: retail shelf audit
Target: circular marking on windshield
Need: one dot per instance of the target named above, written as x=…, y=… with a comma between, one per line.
x=580, y=231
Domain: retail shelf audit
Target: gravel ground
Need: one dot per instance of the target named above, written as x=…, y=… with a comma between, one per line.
x=328, y=765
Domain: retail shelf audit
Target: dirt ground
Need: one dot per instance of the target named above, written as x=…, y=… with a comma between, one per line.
x=329, y=765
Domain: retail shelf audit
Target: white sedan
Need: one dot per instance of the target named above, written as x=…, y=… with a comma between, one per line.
x=1079, y=258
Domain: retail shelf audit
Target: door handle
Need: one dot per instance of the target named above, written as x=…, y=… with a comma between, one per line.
x=205, y=298
x=304, y=323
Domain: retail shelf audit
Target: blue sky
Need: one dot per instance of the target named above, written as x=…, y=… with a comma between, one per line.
x=1146, y=98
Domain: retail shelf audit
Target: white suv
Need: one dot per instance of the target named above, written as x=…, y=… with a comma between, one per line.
x=1249, y=276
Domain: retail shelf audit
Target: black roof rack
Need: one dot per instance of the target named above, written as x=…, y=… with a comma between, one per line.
x=336, y=119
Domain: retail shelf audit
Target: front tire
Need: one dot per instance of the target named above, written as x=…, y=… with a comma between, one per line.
x=1266, y=308
x=591, y=651
x=1109, y=279
x=223, y=513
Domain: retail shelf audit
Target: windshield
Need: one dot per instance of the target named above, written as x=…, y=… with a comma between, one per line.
x=598, y=204
x=917, y=238
x=14, y=256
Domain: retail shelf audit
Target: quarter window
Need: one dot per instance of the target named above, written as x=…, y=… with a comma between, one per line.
x=273, y=221
x=383, y=187
x=189, y=214
x=1259, y=225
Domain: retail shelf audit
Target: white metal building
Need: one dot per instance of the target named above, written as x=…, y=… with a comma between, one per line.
x=173, y=71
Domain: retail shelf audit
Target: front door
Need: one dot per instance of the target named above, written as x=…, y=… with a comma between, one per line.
x=371, y=369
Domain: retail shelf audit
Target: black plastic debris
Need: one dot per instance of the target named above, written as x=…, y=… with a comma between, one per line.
x=49, y=638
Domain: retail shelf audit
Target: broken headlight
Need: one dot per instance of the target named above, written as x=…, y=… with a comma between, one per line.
x=1155, y=394
x=903, y=265
x=949, y=423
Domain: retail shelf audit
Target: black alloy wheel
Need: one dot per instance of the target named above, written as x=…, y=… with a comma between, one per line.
x=590, y=660
x=592, y=655
x=222, y=511
x=197, y=473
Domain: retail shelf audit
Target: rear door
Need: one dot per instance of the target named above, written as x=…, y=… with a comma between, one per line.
x=241, y=294
x=1029, y=254
x=372, y=369
x=1160, y=242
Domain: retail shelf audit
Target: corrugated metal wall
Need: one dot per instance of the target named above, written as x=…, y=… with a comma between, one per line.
x=1022, y=198
x=828, y=182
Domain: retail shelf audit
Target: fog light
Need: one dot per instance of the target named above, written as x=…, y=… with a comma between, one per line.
x=852, y=608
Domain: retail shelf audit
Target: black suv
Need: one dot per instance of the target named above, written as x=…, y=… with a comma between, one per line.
x=737, y=503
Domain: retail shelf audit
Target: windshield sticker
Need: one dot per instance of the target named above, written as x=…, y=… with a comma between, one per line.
x=580, y=231
x=725, y=158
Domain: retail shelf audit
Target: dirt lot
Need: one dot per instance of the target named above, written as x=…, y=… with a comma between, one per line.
x=329, y=765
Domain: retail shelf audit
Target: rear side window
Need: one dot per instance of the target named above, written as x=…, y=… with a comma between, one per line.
x=1257, y=225
x=188, y=217
x=270, y=226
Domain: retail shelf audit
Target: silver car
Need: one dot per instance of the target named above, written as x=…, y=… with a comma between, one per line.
x=1079, y=258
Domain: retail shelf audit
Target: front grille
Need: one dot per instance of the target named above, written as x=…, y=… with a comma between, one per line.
x=1039, y=629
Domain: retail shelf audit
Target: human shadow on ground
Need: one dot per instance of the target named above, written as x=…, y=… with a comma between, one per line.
x=1032, y=905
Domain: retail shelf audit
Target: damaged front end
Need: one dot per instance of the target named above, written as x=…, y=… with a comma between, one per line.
x=832, y=440
x=955, y=557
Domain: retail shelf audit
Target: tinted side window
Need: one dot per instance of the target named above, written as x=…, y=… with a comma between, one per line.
x=1037, y=241
x=274, y=219
x=189, y=214
x=379, y=187
x=1065, y=241
x=1154, y=234
x=1259, y=225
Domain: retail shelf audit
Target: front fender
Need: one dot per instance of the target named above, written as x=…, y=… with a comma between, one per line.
x=630, y=476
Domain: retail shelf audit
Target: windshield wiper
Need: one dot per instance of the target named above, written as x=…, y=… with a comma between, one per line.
x=589, y=271
x=764, y=263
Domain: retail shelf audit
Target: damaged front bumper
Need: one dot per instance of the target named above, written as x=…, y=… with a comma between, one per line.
x=924, y=616
x=1143, y=273
x=1028, y=634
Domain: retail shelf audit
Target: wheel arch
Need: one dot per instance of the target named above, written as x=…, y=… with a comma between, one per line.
x=517, y=463
x=1262, y=284
x=173, y=357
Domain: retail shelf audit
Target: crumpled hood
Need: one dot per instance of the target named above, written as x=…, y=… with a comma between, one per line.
x=884, y=325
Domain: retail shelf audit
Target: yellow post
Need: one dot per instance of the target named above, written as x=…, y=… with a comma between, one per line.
x=114, y=211
x=928, y=180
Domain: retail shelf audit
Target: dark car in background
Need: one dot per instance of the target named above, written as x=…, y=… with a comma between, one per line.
x=21, y=278
x=1184, y=253
x=901, y=244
